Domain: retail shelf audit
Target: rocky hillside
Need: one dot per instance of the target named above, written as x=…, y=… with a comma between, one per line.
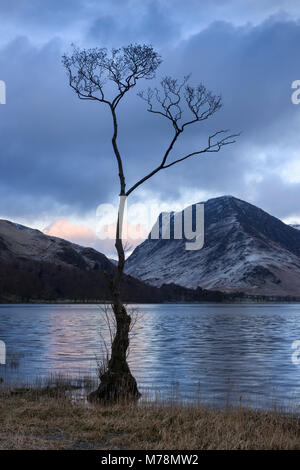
x=38, y=267
x=245, y=249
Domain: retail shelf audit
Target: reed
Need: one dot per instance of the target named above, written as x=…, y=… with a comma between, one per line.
x=50, y=416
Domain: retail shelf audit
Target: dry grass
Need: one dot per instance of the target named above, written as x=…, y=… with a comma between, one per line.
x=49, y=419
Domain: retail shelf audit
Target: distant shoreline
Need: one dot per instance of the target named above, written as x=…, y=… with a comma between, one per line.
x=270, y=300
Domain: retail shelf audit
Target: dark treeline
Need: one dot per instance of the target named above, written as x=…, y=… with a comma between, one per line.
x=31, y=281
x=26, y=280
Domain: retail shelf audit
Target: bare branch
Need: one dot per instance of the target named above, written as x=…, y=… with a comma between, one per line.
x=202, y=103
x=173, y=101
x=90, y=69
x=159, y=167
x=211, y=147
x=168, y=99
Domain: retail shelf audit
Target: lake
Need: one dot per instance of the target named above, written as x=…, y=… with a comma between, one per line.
x=218, y=352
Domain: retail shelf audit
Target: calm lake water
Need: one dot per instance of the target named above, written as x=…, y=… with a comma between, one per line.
x=213, y=351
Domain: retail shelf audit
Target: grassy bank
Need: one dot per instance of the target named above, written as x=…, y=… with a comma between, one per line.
x=45, y=418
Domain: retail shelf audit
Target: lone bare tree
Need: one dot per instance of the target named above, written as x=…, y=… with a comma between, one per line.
x=89, y=72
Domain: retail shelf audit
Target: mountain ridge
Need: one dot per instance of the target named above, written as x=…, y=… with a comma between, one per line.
x=245, y=249
x=38, y=267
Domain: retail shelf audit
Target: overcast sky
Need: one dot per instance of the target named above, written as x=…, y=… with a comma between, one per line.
x=56, y=162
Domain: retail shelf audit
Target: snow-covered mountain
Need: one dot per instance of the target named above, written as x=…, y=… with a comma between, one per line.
x=245, y=249
x=18, y=241
x=39, y=267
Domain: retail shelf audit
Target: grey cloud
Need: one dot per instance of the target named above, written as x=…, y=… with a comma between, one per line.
x=278, y=197
x=147, y=22
x=51, y=145
x=55, y=149
x=254, y=69
x=155, y=20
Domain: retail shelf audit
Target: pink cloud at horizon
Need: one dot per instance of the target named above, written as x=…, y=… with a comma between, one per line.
x=85, y=236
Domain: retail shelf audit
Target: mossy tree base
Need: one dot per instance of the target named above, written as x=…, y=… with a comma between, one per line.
x=115, y=388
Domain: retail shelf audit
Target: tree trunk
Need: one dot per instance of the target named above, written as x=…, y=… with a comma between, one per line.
x=117, y=383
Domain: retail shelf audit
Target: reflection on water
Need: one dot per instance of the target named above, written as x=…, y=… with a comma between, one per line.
x=225, y=351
